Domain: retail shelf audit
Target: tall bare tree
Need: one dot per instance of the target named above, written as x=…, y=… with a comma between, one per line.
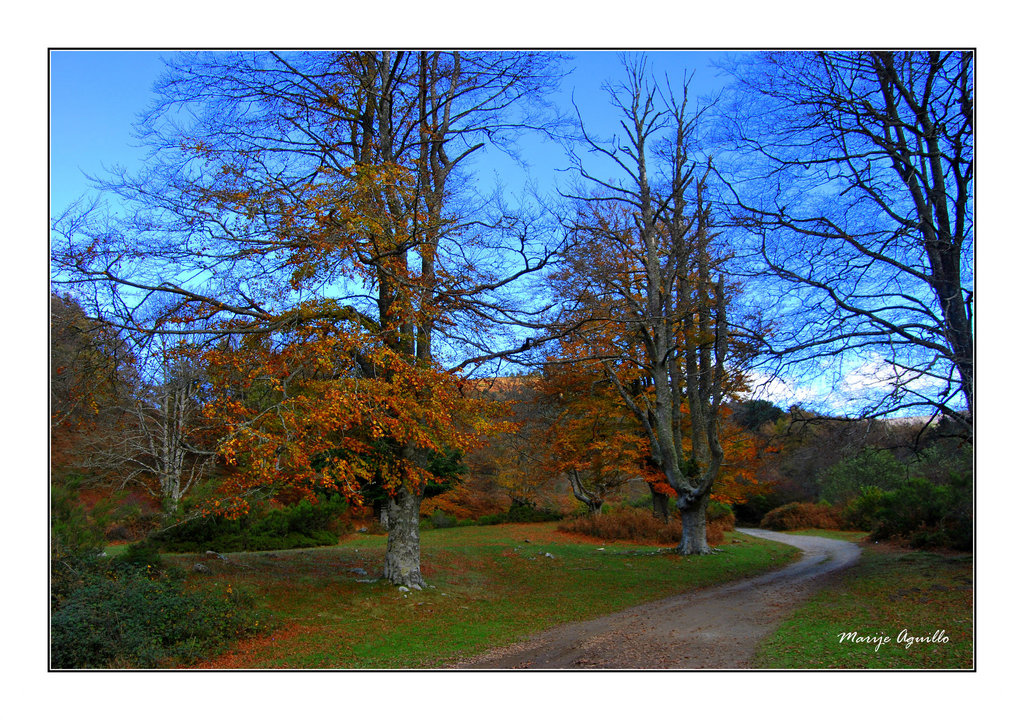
x=645, y=247
x=161, y=442
x=854, y=173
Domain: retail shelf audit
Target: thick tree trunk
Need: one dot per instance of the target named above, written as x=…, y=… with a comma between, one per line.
x=695, y=536
x=402, y=560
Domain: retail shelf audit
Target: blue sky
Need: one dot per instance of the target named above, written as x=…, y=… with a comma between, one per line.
x=95, y=97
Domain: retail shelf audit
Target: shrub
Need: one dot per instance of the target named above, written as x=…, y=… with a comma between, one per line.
x=842, y=482
x=632, y=524
x=801, y=516
x=715, y=532
x=641, y=526
x=863, y=510
x=919, y=512
x=644, y=501
x=129, y=611
x=129, y=618
x=722, y=513
x=529, y=513
x=297, y=526
x=73, y=530
x=720, y=520
x=439, y=519
x=138, y=555
x=521, y=513
x=131, y=522
x=76, y=542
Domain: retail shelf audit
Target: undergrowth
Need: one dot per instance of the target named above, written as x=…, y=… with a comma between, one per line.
x=642, y=526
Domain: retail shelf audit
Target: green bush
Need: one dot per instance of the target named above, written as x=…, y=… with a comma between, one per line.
x=644, y=501
x=721, y=513
x=298, y=526
x=864, y=509
x=131, y=521
x=441, y=519
x=843, y=482
x=528, y=513
x=920, y=512
x=520, y=514
x=129, y=611
x=129, y=618
x=73, y=530
x=76, y=541
x=139, y=555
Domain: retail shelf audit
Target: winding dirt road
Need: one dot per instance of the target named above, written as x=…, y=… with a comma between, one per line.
x=714, y=628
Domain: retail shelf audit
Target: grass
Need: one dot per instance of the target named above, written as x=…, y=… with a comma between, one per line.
x=492, y=585
x=889, y=592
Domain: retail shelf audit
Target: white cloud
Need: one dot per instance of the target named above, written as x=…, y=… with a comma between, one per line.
x=873, y=376
x=780, y=391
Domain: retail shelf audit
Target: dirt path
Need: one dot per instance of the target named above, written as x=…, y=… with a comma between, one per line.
x=714, y=628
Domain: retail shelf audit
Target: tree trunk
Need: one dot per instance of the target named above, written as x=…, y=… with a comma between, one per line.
x=659, y=503
x=402, y=560
x=695, y=536
x=593, y=502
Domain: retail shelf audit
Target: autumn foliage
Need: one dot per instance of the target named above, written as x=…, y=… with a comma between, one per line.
x=303, y=417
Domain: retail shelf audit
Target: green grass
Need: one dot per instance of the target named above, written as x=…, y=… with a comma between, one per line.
x=888, y=592
x=491, y=587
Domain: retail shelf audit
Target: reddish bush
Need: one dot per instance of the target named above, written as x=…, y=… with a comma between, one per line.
x=718, y=527
x=640, y=526
x=801, y=516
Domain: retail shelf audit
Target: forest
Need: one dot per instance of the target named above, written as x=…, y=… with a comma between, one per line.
x=310, y=315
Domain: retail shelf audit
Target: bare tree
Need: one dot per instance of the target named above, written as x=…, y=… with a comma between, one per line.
x=649, y=248
x=854, y=174
x=162, y=443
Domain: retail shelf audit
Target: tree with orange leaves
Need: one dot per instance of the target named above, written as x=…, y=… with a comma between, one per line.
x=307, y=223
x=590, y=440
x=595, y=439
